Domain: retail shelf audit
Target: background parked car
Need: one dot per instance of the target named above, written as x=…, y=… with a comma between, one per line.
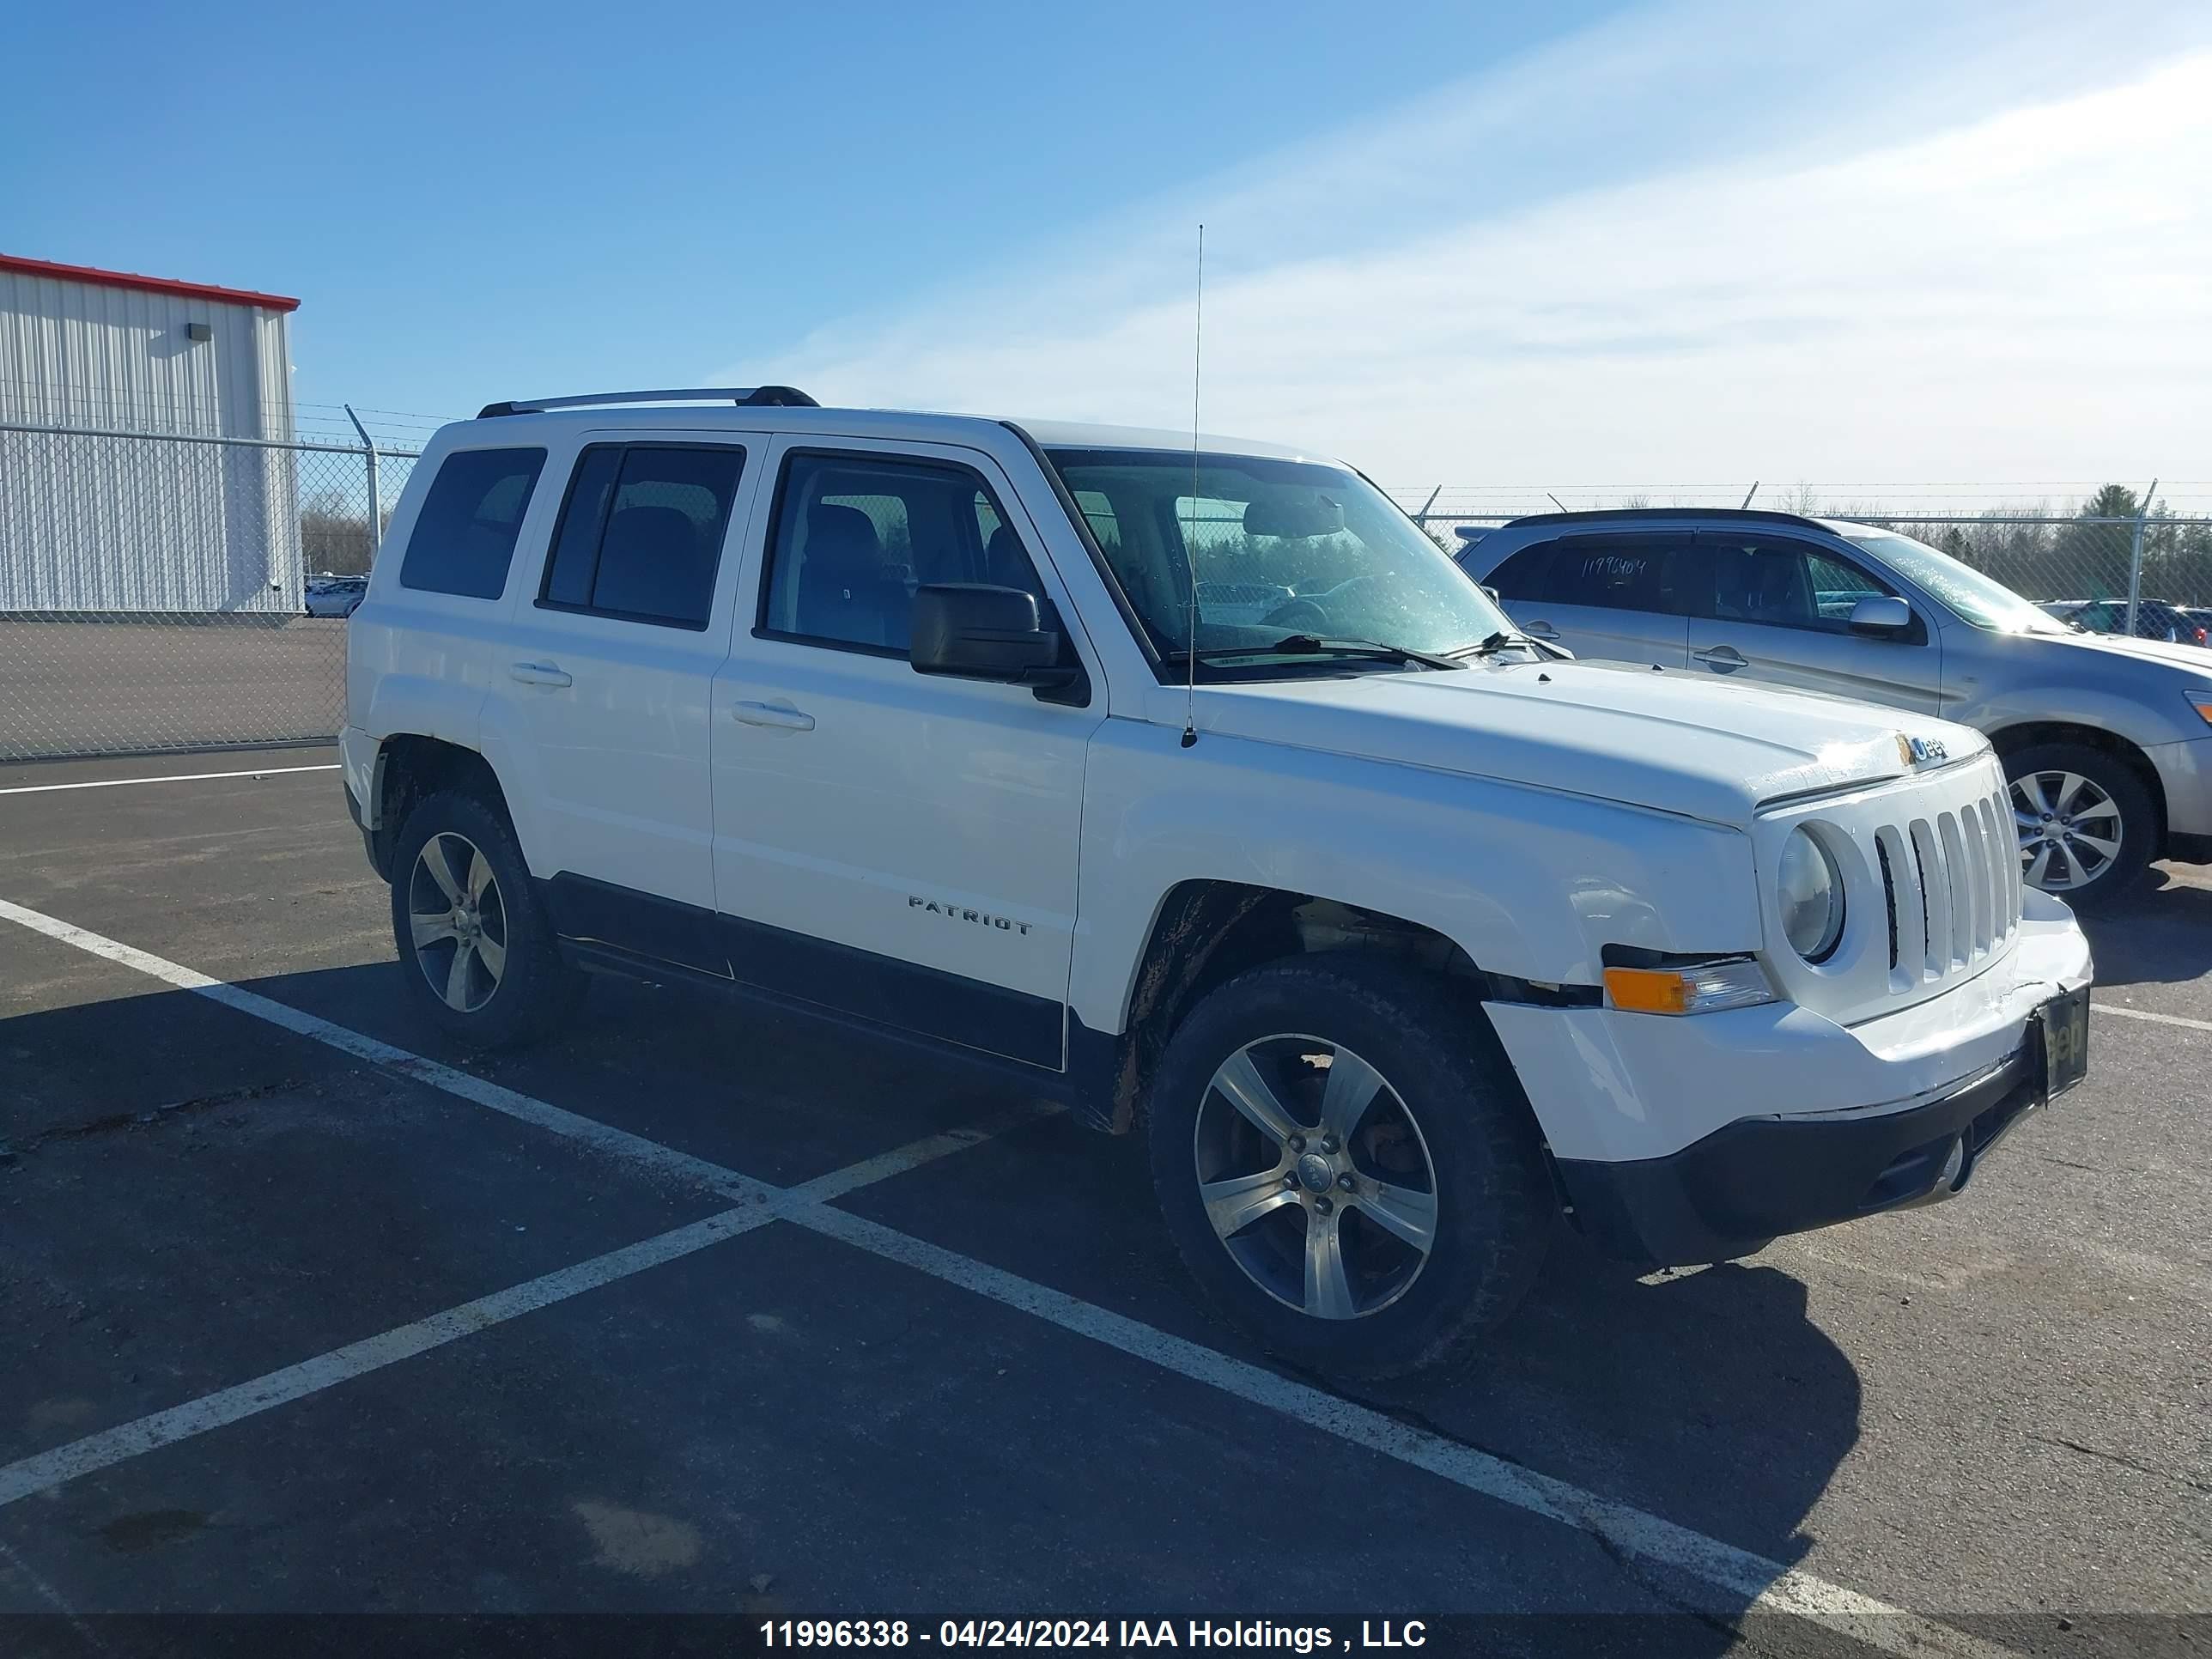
x=2155, y=619
x=2107, y=740
x=335, y=596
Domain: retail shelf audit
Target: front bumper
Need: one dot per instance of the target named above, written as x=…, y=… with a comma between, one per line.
x=1692, y=1139
x=2184, y=777
x=1742, y=1187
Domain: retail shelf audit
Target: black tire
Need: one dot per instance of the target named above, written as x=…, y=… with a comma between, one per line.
x=534, y=990
x=1493, y=1205
x=2112, y=880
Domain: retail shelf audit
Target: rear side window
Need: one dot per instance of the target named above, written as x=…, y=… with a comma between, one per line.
x=1647, y=573
x=463, y=537
x=641, y=534
x=1623, y=572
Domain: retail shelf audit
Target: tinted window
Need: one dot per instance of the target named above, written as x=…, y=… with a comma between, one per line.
x=856, y=535
x=575, y=556
x=1783, y=584
x=641, y=534
x=1522, y=576
x=463, y=537
x=1618, y=572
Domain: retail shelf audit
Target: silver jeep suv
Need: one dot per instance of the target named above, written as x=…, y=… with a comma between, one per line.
x=2107, y=741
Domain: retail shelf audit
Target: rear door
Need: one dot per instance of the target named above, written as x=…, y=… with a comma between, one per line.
x=1779, y=611
x=1624, y=596
x=612, y=651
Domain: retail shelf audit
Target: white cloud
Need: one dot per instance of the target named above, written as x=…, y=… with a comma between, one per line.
x=2025, y=295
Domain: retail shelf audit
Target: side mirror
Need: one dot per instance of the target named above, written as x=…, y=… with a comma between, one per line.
x=1491, y=594
x=973, y=631
x=1882, y=614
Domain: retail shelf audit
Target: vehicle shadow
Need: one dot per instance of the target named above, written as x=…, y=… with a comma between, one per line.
x=2161, y=934
x=1706, y=1398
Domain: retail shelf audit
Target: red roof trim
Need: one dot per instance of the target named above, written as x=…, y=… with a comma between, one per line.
x=149, y=284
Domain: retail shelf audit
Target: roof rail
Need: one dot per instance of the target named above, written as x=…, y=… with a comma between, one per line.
x=1605, y=514
x=745, y=396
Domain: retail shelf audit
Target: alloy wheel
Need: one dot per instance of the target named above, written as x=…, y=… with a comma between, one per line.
x=2069, y=829
x=456, y=921
x=1315, y=1176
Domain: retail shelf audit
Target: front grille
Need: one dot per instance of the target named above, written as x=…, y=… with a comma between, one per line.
x=1888, y=898
x=1951, y=884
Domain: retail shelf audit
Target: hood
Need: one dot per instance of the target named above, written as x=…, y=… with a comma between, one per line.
x=1642, y=736
x=2192, y=659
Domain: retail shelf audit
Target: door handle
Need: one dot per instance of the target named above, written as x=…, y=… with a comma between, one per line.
x=781, y=715
x=1539, y=630
x=1723, y=659
x=539, y=673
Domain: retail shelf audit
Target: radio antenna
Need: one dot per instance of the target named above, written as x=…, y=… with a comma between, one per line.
x=1190, y=530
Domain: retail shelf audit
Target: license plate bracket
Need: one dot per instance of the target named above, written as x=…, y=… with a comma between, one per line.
x=2063, y=1043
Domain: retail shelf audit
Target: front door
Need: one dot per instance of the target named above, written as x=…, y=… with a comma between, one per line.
x=1779, y=612
x=895, y=845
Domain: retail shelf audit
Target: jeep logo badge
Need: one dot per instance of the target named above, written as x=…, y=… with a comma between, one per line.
x=1921, y=751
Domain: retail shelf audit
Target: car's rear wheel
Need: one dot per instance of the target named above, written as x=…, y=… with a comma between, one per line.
x=1347, y=1169
x=476, y=949
x=2085, y=822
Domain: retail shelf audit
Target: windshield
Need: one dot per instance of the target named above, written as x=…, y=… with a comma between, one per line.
x=1982, y=600
x=1299, y=563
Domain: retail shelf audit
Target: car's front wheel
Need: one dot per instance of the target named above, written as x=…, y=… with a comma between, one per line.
x=2086, y=822
x=475, y=948
x=1347, y=1169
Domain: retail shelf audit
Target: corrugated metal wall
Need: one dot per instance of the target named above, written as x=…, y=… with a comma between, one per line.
x=117, y=524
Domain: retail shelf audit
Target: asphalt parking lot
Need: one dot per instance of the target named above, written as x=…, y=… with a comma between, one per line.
x=703, y=1311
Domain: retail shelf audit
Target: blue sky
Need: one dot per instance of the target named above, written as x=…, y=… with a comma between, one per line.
x=1674, y=240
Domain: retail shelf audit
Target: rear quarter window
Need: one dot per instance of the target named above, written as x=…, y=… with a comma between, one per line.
x=464, y=537
x=1522, y=575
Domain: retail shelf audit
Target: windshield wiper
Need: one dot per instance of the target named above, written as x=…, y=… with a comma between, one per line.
x=1352, y=648
x=1503, y=639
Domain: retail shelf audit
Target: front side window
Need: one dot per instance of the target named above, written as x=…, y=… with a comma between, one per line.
x=464, y=537
x=1295, y=567
x=641, y=534
x=856, y=534
x=1785, y=584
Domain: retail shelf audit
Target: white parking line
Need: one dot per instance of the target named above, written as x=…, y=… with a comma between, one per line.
x=648, y=1155
x=2145, y=1013
x=48, y=1469
x=1741, y=1576
x=179, y=777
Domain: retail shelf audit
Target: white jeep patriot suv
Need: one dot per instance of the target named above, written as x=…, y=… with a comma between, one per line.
x=1194, y=787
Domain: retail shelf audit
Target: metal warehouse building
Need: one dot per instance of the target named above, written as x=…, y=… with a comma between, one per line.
x=95, y=516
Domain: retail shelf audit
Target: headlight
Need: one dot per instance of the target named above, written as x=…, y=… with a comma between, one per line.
x=1811, y=891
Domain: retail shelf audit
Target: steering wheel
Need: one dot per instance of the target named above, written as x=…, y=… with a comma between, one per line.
x=1299, y=615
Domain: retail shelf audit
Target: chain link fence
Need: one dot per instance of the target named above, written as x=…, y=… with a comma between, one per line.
x=163, y=591
x=175, y=591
